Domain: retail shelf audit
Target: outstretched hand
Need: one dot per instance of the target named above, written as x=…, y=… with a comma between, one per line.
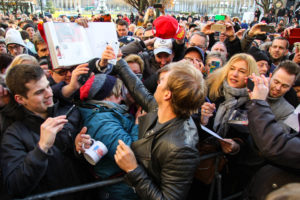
x=108, y=54
x=125, y=158
x=256, y=30
x=49, y=129
x=261, y=87
x=82, y=139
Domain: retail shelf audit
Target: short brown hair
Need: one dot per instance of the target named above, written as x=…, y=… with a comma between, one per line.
x=19, y=75
x=187, y=86
x=122, y=23
x=282, y=38
x=133, y=58
x=290, y=67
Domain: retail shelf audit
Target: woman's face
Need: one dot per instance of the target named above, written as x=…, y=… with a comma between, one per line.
x=151, y=13
x=237, y=74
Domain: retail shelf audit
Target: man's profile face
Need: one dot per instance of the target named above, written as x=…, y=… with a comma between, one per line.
x=122, y=30
x=280, y=83
x=278, y=49
x=163, y=58
x=42, y=50
x=161, y=86
x=39, y=96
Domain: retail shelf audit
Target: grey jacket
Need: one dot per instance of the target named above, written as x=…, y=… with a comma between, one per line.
x=281, y=110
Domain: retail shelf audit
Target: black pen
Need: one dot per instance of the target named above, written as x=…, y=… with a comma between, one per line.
x=69, y=111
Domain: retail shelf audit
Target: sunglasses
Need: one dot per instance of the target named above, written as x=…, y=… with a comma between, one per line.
x=147, y=38
x=192, y=59
x=63, y=72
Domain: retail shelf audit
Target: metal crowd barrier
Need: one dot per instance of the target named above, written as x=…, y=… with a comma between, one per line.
x=69, y=190
x=216, y=183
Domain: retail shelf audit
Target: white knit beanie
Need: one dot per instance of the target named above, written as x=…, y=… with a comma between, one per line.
x=14, y=37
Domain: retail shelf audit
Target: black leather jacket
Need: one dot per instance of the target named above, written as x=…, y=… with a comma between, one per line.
x=27, y=169
x=167, y=157
x=277, y=146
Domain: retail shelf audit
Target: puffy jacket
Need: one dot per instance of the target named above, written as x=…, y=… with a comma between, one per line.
x=167, y=156
x=276, y=145
x=27, y=169
x=108, y=122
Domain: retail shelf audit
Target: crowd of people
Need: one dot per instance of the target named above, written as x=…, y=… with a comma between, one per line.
x=174, y=75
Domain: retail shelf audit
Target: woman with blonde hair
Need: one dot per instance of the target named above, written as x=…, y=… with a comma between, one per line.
x=227, y=89
x=150, y=16
x=227, y=116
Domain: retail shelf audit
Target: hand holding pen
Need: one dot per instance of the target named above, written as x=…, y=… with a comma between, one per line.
x=207, y=110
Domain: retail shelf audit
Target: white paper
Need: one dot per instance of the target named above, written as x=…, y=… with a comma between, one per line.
x=70, y=44
x=292, y=120
x=212, y=133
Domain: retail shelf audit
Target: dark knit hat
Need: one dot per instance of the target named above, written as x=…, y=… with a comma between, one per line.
x=198, y=50
x=27, y=26
x=97, y=87
x=258, y=54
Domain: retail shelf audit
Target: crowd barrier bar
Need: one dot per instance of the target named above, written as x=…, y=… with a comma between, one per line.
x=79, y=188
x=88, y=186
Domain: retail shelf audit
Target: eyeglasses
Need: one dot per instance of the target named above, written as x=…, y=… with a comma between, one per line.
x=263, y=64
x=63, y=72
x=203, y=47
x=13, y=46
x=192, y=59
x=147, y=37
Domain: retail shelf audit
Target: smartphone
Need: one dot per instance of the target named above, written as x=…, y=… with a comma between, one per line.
x=297, y=45
x=267, y=28
x=213, y=66
x=250, y=84
x=157, y=5
x=218, y=27
x=220, y=17
x=115, y=45
x=84, y=77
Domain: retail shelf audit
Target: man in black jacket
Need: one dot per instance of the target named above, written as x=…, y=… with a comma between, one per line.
x=162, y=162
x=37, y=150
x=277, y=146
x=280, y=148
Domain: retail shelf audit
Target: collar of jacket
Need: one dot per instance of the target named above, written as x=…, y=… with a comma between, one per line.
x=148, y=122
x=33, y=121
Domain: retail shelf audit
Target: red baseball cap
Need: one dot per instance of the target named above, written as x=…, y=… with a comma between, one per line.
x=167, y=27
